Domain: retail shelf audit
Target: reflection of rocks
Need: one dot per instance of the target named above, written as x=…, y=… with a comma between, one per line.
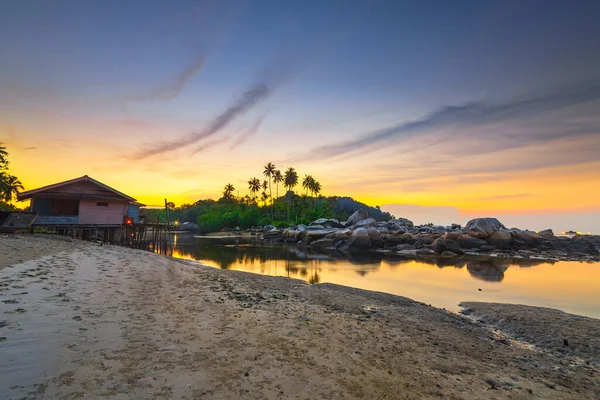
x=487, y=270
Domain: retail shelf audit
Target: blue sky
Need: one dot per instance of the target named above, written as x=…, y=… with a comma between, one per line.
x=111, y=78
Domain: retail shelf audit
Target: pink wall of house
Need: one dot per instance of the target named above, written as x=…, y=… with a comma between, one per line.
x=91, y=213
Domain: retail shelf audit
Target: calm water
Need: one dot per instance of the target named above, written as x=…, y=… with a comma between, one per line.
x=570, y=286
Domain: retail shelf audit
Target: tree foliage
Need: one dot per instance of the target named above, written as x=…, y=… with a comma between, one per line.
x=10, y=185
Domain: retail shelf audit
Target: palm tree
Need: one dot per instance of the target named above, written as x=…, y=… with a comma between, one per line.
x=3, y=156
x=269, y=172
x=277, y=178
x=10, y=186
x=307, y=183
x=290, y=180
x=316, y=188
x=228, y=191
x=254, y=186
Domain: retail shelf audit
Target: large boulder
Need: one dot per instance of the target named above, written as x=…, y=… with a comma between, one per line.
x=375, y=236
x=470, y=242
x=328, y=223
x=359, y=241
x=402, y=222
x=322, y=246
x=500, y=239
x=482, y=228
x=365, y=223
x=440, y=245
x=546, y=233
x=356, y=217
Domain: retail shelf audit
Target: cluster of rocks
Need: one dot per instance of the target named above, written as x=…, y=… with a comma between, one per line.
x=401, y=237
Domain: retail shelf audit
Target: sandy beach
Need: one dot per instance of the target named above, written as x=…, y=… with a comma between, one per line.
x=80, y=320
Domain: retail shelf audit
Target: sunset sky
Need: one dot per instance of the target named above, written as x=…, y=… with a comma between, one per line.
x=434, y=110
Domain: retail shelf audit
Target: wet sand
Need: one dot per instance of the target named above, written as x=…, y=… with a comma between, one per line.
x=104, y=322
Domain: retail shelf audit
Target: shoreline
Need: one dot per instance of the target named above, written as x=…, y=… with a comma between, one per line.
x=156, y=327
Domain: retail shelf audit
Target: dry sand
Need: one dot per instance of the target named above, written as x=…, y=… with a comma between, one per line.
x=101, y=322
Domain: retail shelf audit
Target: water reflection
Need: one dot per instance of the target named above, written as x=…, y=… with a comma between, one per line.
x=247, y=253
x=443, y=282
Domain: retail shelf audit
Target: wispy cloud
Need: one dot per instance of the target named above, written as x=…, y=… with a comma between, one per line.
x=253, y=95
x=470, y=115
x=247, y=134
x=209, y=144
x=173, y=87
x=505, y=196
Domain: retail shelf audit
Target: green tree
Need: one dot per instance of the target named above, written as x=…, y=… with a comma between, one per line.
x=254, y=186
x=269, y=172
x=307, y=183
x=277, y=178
x=228, y=191
x=290, y=181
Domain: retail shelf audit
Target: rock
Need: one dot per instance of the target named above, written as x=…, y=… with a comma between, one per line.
x=546, y=233
x=272, y=234
x=405, y=246
x=452, y=235
x=356, y=217
x=500, y=239
x=407, y=253
x=338, y=235
x=311, y=236
x=487, y=248
x=528, y=237
x=322, y=246
x=359, y=241
x=470, y=242
x=375, y=236
x=399, y=224
x=481, y=228
x=314, y=227
x=328, y=223
x=425, y=252
x=365, y=223
x=438, y=229
x=456, y=227
x=440, y=245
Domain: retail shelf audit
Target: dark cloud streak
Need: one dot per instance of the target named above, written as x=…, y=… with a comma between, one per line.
x=253, y=95
x=172, y=89
x=469, y=115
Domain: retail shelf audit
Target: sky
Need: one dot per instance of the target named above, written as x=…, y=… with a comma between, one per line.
x=437, y=111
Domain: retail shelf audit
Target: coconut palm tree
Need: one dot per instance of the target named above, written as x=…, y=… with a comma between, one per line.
x=290, y=181
x=307, y=183
x=228, y=191
x=3, y=156
x=9, y=186
x=254, y=186
x=277, y=178
x=315, y=188
x=269, y=172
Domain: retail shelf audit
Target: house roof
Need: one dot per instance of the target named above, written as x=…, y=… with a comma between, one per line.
x=30, y=193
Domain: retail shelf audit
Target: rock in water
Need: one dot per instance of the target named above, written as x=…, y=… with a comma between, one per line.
x=357, y=216
x=322, y=245
x=501, y=239
x=470, y=242
x=441, y=245
x=359, y=241
x=375, y=237
x=481, y=228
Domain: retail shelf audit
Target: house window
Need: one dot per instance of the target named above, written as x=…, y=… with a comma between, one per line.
x=102, y=204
